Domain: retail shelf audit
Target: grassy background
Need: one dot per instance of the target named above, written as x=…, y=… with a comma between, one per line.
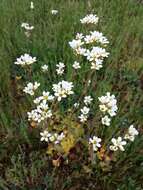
x=23, y=164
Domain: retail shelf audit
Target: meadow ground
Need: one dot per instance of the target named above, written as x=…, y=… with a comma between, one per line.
x=23, y=162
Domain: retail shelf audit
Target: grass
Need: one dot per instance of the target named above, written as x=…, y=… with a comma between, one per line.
x=23, y=163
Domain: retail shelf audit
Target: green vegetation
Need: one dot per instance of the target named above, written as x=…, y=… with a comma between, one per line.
x=23, y=161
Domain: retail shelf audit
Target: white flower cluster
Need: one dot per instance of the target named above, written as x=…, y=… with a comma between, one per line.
x=60, y=68
x=44, y=68
x=31, y=87
x=41, y=113
x=118, y=143
x=89, y=19
x=132, y=132
x=25, y=59
x=95, y=141
x=49, y=137
x=108, y=104
x=27, y=27
x=94, y=54
x=96, y=36
x=62, y=89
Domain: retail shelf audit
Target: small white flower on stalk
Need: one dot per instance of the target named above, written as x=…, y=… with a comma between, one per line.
x=44, y=68
x=31, y=5
x=25, y=60
x=60, y=68
x=89, y=82
x=89, y=19
x=87, y=100
x=26, y=26
x=45, y=136
x=59, y=138
x=83, y=118
x=95, y=141
x=117, y=144
x=76, y=65
x=62, y=89
x=106, y=120
x=31, y=87
x=28, y=29
x=132, y=132
x=76, y=105
x=54, y=12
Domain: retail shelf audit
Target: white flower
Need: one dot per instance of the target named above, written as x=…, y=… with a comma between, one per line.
x=54, y=12
x=97, y=65
x=54, y=138
x=87, y=100
x=83, y=118
x=76, y=65
x=117, y=144
x=84, y=114
x=108, y=104
x=45, y=136
x=60, y=68
x=30, y=88
x=106, y=120
x=25, y=59
x=89, y=82
x=79, y=36
x=81, y=51
x=75, y=44
x=37, y=100
x=76, y=105
x=47, y=96
x=85, y=110
x=89, y=19
x=62, y=89
x=26, y=26
x=44, y=68
x=59, y=138
x=96, y=53
x=95, y=141
x=132, y=132
x=96, y=37
x=31, y=5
